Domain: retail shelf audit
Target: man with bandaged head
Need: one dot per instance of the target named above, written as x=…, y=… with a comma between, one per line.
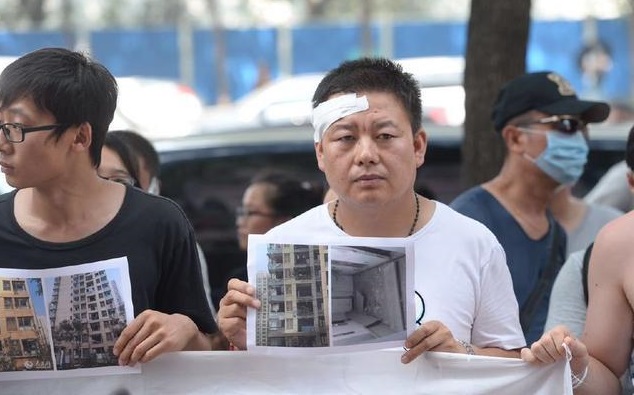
x=542, y=123
x=369, y=142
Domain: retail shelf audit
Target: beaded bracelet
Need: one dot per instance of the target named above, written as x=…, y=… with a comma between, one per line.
x=467, y=346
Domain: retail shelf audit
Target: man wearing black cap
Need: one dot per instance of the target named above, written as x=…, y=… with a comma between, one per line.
x=541, y=121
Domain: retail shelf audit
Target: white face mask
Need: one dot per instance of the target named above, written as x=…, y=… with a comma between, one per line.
x=154, y=188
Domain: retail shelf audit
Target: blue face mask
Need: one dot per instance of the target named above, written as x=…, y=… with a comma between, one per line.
x=564, y=157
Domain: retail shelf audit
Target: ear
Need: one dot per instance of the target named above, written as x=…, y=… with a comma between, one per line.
x=319, y=153
x=82, y=137
x=420, y=146
x=513, y=139
x=630, y=179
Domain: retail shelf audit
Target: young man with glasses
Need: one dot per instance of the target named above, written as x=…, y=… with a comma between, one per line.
x=542, y=123
x=55, y=108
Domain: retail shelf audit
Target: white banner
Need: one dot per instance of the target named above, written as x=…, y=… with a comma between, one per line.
x=372, y=372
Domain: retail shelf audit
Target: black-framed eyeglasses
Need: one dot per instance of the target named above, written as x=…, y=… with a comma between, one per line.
x=560, y=123
x=245, y=212
x=14, y=132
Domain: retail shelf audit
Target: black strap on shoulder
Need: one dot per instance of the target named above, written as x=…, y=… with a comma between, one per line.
x=584, y=271
x=546, y=280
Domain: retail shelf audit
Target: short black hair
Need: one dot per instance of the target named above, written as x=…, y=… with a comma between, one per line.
x=629, y=149
x=373, y=75
x=291, y=196
x=141, y=147
x=69, y=85
x=121, y=148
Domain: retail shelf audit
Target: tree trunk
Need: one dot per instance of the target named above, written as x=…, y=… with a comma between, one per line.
x=496, y=53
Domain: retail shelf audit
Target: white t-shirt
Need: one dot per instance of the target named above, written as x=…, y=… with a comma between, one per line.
x=461, y=276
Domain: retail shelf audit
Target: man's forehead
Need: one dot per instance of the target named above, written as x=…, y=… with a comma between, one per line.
x=23, y=106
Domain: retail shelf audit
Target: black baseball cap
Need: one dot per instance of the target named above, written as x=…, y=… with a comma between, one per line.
x=547, y=92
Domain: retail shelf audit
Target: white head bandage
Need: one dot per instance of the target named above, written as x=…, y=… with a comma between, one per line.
x=330, y=111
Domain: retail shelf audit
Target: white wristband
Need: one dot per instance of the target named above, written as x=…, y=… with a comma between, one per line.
x=577, y=381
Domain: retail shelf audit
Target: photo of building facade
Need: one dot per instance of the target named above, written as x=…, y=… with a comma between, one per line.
x=86, y=315
x=294, y=292
x=24, y=343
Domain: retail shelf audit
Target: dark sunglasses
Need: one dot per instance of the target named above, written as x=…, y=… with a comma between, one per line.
x=563, y=124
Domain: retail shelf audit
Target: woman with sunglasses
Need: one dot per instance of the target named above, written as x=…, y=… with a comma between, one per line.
x=542, y=123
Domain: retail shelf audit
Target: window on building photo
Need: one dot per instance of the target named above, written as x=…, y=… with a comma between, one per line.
x=22, y=303
x=19, y=286
x=25, y=323
x=12, y=324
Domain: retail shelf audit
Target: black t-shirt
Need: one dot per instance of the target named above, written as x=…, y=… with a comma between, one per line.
x=153, y=234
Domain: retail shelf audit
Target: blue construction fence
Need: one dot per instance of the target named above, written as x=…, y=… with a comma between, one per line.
x=553, y=45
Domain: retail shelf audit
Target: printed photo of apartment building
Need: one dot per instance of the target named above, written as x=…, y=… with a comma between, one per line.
x=24, y=334
x=87, y=314
x=294, y=295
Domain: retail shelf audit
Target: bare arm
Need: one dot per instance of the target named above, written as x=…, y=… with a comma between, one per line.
x=550, y=348
x=608, y=329
x=435, y=336
x=498, y=352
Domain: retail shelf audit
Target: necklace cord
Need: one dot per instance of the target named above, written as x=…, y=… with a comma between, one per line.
x=411, y=230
